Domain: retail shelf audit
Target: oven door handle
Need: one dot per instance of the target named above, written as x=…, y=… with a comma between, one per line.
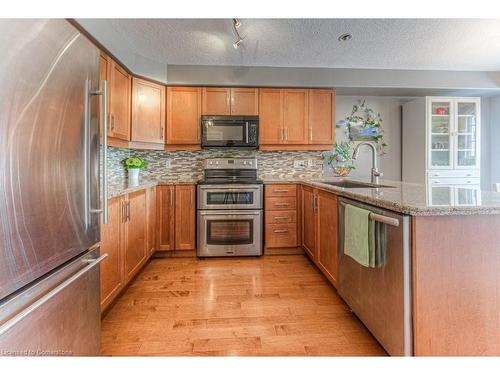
x=229, y=213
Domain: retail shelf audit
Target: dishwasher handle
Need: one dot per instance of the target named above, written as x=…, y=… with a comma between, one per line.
x=380, y=218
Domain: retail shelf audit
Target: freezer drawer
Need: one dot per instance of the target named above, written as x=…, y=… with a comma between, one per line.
x=58, y=315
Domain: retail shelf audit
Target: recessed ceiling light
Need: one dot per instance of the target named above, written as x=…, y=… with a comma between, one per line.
x=345, y=37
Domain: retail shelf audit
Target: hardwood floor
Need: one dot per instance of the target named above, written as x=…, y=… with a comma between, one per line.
x=269, y=306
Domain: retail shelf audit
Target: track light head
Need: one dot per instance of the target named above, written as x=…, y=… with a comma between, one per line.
x=237, y=43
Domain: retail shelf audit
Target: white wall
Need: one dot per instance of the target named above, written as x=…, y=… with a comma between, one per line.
x=390, y=111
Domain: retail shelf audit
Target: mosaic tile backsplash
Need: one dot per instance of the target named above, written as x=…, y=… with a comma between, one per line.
x=188, y=165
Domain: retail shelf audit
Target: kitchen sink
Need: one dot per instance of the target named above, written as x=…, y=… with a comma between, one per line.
x=355, y=184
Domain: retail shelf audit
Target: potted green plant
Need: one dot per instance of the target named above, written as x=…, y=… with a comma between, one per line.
x=340, y=158
x=133, y=165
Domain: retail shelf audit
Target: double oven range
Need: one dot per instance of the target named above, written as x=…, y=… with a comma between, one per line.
x=230, y=215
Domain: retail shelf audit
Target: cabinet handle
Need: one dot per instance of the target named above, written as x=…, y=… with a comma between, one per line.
x=112, y=121
x=171, y=197
x=282, y=204
x=228, y=103
x=161, y=132
x=128, y=211
x=286, y=134
x=310, y=134
x=280, y=191
x=280, y=217
x=282, y=134
x=124, y=213
x=315, y=201
x=281, y=231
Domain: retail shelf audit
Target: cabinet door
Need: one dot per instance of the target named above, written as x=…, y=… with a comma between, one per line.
x=295, y=116
x=135, y=254
x=309, y=221
x=183, y=115
x=467, y=150
x=216, y=101
x=185, y=211
x=148, y=112
x=112, y=278
x=119, y=101
x=440, y=122
x=165, y=217
x=151, y=221
x=271, y=116
x=244, y=101
x=321, y=117
x=327, y=234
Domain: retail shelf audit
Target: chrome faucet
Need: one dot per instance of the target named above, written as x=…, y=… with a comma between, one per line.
x=375, y=172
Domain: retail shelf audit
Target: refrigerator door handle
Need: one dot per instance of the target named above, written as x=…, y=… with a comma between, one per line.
x=18, y=317
x=103, y=92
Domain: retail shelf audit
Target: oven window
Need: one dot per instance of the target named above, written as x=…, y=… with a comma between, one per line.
x=230, y=197
x=225, y=132
x=230, y=232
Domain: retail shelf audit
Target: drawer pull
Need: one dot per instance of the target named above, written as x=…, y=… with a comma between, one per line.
x=280, y=217
x=281, y=231
x=281, y=191
x=282, y=204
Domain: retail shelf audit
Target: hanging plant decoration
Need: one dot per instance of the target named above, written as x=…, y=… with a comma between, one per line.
x=364, y=125
x=340, y=159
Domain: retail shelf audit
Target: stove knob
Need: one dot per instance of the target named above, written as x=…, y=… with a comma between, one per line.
x=250, y=162
x=244, y=163
x=216, y=163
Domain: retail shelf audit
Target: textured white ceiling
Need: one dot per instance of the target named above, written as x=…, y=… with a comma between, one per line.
x=436, y=44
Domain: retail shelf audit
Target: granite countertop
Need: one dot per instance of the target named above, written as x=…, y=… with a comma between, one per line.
x=407, y=198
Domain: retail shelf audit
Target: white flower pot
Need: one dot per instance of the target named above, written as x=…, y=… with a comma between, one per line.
x=133, y=176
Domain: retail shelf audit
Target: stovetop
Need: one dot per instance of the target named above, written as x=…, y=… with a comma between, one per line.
x=224, y=171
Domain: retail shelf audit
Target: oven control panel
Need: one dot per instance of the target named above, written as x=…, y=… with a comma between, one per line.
x=231, y=163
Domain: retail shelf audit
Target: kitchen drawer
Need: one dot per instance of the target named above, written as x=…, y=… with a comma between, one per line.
x=453, y=173
x=281, y=217
x=454, y=181
x=281, y=190
x=280, y=203
x=281, y=235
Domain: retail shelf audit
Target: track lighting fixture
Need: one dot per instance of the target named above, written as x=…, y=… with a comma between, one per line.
x=236, y=26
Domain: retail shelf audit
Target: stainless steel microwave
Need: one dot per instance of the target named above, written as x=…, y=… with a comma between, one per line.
x=230, y=131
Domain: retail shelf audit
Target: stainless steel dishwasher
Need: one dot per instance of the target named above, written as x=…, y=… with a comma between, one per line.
x=381, y=297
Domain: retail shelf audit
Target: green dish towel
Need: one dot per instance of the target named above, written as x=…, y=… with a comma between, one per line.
x=356, y=240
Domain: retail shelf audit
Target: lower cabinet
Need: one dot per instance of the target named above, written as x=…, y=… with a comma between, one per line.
x=125, y=240
x=176, y=212
x=319, y=229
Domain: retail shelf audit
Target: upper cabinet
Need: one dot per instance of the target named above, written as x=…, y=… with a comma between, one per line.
x=148, y=113
x=297, y=119
x=183, y=117
x=230, y=101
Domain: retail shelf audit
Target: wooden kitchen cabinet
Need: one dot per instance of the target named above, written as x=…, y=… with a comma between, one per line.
x=234, y=101
x=136, y=232
x=270, y=116
x=176, y=226
x=309, y=221
x=321, y=117
x=280, y=211
x=124, y=239
x=165, y=232
x=185, y=212
x=112, y=278
x=326, y=228
x=119, y=101
x=296, y=119
x=148, y=114
x=183, y=117
x=295, y=116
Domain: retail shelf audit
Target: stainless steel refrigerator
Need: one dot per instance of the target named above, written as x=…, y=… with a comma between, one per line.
x=50, y=102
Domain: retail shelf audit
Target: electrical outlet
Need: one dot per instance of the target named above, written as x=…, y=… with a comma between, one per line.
x=168, y=164
x=309, y=163
x=299, y=163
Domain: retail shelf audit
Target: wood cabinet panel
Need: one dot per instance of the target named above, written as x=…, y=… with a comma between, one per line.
x=183, y=115
x=244, y=101
x=119, y=101
x=111, y=243
x=270, y=116
x=185, y=211
x=148, y=111
x=281, y=203
x=321, y=117
x=295, y=116
x=281, y=217
x=216, y=101
x=309, y=221
x=327, y=224
x=281, y=190
x=165, y=206
x=135, y=253
x=151, y=220
x=281, y=235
